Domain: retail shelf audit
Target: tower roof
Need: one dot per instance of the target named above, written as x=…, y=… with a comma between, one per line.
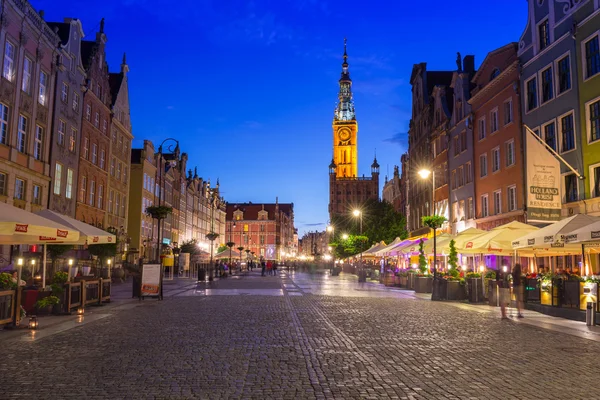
x=345, y=74
x=345, y=107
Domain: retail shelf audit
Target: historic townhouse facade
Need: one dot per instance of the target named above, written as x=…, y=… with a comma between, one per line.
x=392, y=189
x=588, y=77
x=420, y=147
x=460, y=148
x=442, y=114
x=120, y=148
x=499, y=166
x=66, y=124
x=94, y=162
x=141, y=227
x=549, y=87
x=267, y=230
x=26, y=102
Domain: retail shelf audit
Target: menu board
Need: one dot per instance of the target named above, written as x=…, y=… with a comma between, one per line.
x=151, y=280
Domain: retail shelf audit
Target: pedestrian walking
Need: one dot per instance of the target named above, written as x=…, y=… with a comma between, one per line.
x=503, y=292
x=263, y=265
x=518, y=288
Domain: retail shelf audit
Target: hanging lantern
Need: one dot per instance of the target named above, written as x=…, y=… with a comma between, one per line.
x=80, y=310
x=33, y=322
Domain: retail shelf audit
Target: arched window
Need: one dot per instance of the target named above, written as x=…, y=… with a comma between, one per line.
x=495, y=73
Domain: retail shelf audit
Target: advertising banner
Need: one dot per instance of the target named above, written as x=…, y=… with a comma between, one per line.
x=543, y=182
x=151, y=280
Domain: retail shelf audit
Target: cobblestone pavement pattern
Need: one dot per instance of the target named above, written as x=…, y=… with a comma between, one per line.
x=300, y=347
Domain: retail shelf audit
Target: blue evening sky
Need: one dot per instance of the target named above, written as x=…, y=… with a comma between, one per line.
x=249, y=87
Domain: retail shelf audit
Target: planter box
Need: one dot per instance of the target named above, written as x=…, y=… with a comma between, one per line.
x=397, y=280
x=411, y=281
x=571, y=290
x=439, y=289
x=475, y=288
x=336, y=271
x=404, y=281
x=388, y=280
x=423, y=284
x=456, y=291
x=532, y=290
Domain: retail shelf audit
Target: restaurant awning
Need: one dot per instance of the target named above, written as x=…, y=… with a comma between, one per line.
x=553, y=235
x=88, y=234
x=498, y=240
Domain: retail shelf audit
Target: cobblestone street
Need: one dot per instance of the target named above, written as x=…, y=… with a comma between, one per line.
x=297, y=340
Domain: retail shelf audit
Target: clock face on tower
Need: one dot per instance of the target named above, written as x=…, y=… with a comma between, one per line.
x=344, y=134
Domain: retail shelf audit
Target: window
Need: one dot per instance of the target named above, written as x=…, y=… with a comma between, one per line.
x=550, y=135
x=592, y=57
x=456, y=145
x=37, y=195
x=86, y=148
x=69, y=191
x=510, y=153
x=3, y=180
x=544, y=34
x=57, y=178
x=495, y=159
x=102, y=157
x=119, y=170
x=481, y=133
x=111, y=197
x=120, y=145
x=547, y=87
x=83, y=189
x=484, y=206
x=92, y=198
x=595, y=121
x=461, y=176
x=483, y=165
x=39, y=139
x=454, y=179
x=64, y=93
x=112, y=167
x=97, y=119
x=19, y=189
x=531, y=94
x=104, y=126
x=75, y=102
x=571, y=192
x=94, y=153
x=22, y=135
x=463, y=141
x=72, y=140
x=3, y=124
x=508, y=113
x=42, y=95
x=88, y=112
x=62, y=127
x=512, y=198
x=8, y=72
x=494, y=121
x=100, y=196
x=117, y=203
x=564, y=74
x=494, y=73
x=26, y=80
x=125, y=175
x=497, y=202
x=567, y=133
x=469, y=173
x=596, y=181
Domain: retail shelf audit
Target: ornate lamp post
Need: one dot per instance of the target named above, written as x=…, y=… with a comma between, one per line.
x=230, y=244
x=212, y=235
x=424, y=174
x=358, y=213
x=161, y=181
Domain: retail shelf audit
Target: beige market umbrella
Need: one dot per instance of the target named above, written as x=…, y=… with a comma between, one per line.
x=498, y=240
x=88, y=234
x=554, y=235
x=382, y=251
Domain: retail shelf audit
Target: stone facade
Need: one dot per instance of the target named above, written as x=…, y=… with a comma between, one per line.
x=66, y=126
x=392, y=191
x=93, y=199
x=460, y=149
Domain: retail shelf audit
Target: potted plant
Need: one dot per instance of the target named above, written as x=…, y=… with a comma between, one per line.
x=423, y=281
x=45, y=305
x=475, y=287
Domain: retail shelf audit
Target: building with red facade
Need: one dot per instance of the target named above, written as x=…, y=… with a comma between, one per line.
x=267, y=230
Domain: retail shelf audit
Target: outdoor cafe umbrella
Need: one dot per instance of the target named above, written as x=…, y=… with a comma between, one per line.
x=589, y=234
x=383, y=250
x=88, y=234
x=498, y=240
x=553, y=235
x=225, y=254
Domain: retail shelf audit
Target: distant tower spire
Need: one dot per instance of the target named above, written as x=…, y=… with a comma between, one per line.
x=345, y=107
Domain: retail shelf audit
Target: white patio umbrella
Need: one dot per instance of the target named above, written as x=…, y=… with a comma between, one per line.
x=588, y=235
x=554, y=234
x=88, y=234
x=225, y=254
x=498, y=240
x=382, y=251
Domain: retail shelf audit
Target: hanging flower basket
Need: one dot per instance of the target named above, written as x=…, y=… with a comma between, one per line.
x=212, y=236
x=159, y=212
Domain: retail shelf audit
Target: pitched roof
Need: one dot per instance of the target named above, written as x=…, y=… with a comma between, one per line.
x=441, y=78
x=115, y=79
x=87, y=51
x=251, y=210
x=63, y=30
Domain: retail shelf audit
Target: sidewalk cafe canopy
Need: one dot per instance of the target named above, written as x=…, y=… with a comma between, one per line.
x=18, y=226
x=588, y=235
x=382, y=251
x=498, y=240
x=225, y=254
x=553, y=236
x=372, y=252
x=408, y=246
x=88, y=234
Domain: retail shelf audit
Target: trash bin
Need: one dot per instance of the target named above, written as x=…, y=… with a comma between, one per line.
x=590, y=314
x=201, y=274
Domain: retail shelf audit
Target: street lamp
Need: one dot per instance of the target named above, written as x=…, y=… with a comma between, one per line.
x=358, y=213
x=424, y=174
x=161, y=183
x=330, y=229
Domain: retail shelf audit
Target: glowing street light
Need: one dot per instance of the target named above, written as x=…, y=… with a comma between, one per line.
x=345, y=236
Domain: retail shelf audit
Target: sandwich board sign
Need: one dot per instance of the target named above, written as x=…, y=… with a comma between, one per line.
x=151, y=281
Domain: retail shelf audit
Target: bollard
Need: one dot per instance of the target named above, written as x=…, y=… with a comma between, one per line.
x=590, y=314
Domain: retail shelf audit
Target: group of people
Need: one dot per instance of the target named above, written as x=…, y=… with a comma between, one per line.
x=502, y=280
x=269, y=266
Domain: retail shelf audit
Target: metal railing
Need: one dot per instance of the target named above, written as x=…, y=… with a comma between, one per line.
x=91, y=292
x=73, y=290
x=105, y=287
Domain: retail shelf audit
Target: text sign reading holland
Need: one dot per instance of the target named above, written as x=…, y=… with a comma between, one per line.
x=543, y=182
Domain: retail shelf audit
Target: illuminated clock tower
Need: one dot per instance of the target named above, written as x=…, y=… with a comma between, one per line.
x=347, y=190
x=345, y=127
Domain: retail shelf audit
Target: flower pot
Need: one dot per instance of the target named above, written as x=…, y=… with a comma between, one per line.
x=456, y=291
x=423, y=284
x=439, y=289
x=411, y=281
